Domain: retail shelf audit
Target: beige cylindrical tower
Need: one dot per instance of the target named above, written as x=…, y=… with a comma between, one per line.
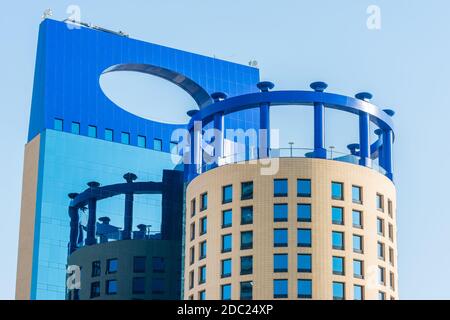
x=284, y=254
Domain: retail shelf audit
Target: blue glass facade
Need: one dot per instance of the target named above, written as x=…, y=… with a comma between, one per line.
x=86, y=137
x=67, y=81
x=67, y=162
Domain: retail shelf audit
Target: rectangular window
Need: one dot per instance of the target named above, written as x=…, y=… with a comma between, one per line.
x=203, y=225
x=391, y=232
x=280, y=188
x=204, y=201
x=58, y=124
x=111, y=287
x=338, y=266
x=227, y=194
x=192, y=255
x=337, y=214
x=157, y=144
x=357, y=219
x=304, y=238
x=191, y=279
x=227, y=218
x=280, y=262
x=304, y=289
x=358, y=244
x=202, y=295
x=246, y=292
x=358, y=269
x=95, y=289
x=226, y=243
x=381, y=295
x=246, y=215
x=111, y=266
x=75, y=129
x=246, y=240
x=380, y=226
x=157, y=286
x=380, y=250
x=192, y=231
x=202, y=275
x=193, y=207
x=226, y=268
x=304, y=263
x=246, y=265
x=280, y=212
x=304, y=188
x=158, y=265
x=247, y=190
x=280, y=238
x=280, y=288
x=338, y=240
x=138, y=285
x=392, y=280
x=337, y=191
x=391, y=256
x=96, y=269
x=303, y=212
x=338, y=291
x=381, y=275
x=139, y=264
x=202, y=251
x=358, y=292
x=92, y=131
x=390, y=211
x=356, y=194
x=109, y=135
x=226, y=292
x=142, y=142
x=380, y=202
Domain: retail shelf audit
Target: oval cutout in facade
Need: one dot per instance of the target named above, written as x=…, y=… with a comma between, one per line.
x=147, y=96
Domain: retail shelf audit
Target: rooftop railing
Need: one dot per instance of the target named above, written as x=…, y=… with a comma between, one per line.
x=331, y=154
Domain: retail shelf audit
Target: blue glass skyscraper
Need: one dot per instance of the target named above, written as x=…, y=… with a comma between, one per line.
x=76, y=134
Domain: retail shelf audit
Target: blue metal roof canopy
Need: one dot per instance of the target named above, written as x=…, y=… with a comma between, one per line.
x=320, y=100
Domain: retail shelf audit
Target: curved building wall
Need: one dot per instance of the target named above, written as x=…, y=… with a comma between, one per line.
x=154, y=278
x=321, y=174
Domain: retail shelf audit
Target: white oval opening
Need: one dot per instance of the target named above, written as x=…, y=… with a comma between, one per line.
x=147, y=96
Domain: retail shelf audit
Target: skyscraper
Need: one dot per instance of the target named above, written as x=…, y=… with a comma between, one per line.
x=77, y=135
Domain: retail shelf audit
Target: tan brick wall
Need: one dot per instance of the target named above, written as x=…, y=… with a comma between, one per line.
x=27, y=219
x=322, y=173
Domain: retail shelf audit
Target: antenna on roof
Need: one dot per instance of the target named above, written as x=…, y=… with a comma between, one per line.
x=92, y=26
x=47, y=13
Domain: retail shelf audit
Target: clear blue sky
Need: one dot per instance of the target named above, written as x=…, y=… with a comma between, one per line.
x=405, y=65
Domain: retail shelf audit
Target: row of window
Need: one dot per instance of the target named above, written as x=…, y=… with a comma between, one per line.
x=109, y=136
x=139, y=266
x=338, y=243
x=280, y=214
x=281, y=290
x=280, y=239
x=138, y=287
x=358, y=271
x=304, y=265
x=280, y=187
